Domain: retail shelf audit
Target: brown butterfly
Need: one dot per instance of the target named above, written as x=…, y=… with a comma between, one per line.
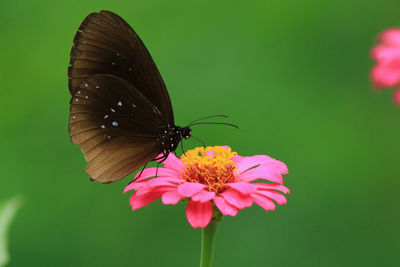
x=120, y=111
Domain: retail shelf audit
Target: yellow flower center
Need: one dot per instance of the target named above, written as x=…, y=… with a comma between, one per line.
x=212, y=166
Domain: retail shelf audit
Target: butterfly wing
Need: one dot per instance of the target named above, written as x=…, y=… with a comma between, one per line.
x=106, y=44
x=115, y=126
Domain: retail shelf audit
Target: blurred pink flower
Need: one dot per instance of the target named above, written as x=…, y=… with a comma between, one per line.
x=212, y=177
x=386, y=72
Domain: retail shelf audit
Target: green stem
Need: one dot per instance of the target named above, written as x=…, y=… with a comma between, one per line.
x=208, y=242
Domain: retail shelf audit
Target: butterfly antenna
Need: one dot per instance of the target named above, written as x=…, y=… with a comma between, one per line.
x=198, y=139
x=223, y=123
x=208, y=117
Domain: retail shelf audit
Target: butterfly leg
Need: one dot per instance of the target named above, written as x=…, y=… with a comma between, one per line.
x=140, y=174
x=160, y=157
x=161, y=160
x=183, y=151
x=158, y=164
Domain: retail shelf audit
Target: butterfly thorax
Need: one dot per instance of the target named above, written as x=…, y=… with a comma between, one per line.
x=170, y=136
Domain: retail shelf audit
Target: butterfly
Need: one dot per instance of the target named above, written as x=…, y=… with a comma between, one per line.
x=120, y=111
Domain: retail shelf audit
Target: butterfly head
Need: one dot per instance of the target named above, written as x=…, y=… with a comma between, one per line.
x=186, y=132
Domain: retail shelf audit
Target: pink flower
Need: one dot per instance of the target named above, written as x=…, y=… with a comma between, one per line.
x=386, y=72
x=212, y=177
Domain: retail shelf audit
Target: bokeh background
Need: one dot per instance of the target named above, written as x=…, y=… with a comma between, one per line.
x=292, y=74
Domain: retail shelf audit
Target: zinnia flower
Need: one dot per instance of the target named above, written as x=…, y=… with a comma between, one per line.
x=212, y=177
x=386, y=72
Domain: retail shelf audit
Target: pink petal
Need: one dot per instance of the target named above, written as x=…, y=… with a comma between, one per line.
x=152, y=182
x=396, y=96
x=237, y=199
x=133, y=186
x=384, y=53
x=140, y=201
x=151, y=172
x=386, y=74
x=246, y=163
x=174, y=163
x=189, y=189
x=159, y=188
x=199, y=214
x=279, y=187
x=264, y=202
x=261, y=172
x=162, y=181
x=203, y=196
x=244, y=188
x=225, y=207
x=390, y=36
x=171, y=198
x=278, y=197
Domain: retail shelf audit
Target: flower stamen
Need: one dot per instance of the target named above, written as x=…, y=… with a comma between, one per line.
x=212, y=166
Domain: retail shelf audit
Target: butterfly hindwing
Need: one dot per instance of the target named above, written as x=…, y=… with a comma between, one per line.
x=115, y=126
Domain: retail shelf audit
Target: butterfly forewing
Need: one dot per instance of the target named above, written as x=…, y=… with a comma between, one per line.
x=115, y=125
x=106, y=44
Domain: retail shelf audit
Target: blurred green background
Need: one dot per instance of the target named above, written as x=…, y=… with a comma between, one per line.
x=292, y=74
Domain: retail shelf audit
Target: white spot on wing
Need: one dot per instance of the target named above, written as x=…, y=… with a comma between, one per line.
x=103, y=126
x=114, y=123
x=119, y=103
x=105, y=116
x=112, y=110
